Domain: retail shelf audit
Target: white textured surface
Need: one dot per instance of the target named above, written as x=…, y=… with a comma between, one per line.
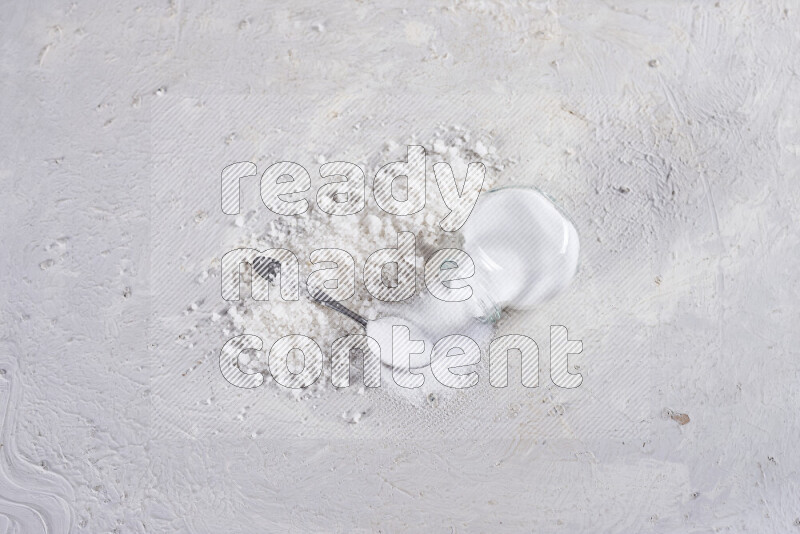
x=697, y=120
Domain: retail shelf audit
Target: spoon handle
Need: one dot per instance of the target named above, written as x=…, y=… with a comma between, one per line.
x=268, y=268
x=325, y=299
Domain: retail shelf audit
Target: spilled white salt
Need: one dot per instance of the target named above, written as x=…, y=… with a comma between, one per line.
x=360, y=235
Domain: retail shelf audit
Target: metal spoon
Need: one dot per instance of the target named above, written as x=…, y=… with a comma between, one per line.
x=326, y=300
x=267, y=268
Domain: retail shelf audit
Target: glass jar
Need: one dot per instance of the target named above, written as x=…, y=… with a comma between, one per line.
x=525, y=250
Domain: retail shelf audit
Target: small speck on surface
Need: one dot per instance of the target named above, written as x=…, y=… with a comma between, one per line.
x=680, y=418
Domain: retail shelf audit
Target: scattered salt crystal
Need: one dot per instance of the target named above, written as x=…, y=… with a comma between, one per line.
x=373, y=224
x=352, y=418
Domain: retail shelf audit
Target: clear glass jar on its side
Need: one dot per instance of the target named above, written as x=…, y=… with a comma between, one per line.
x=525, y=250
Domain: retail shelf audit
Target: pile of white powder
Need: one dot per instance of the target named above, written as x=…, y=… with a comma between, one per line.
x=360, y=234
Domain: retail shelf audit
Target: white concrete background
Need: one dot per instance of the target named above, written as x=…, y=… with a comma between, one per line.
x=710, y=119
